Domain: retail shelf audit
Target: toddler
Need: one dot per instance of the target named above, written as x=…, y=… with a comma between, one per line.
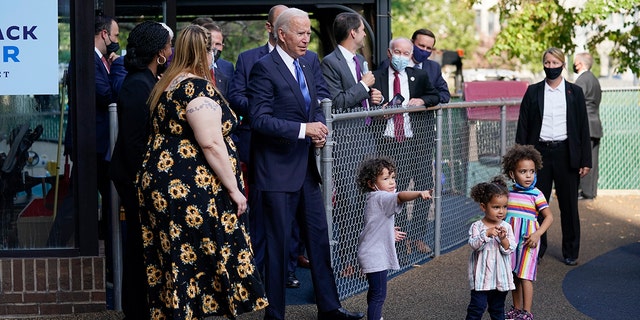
x=492, y=241
x=376, y=244
x=526, y=202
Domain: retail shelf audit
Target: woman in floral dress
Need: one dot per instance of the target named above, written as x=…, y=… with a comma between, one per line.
x=196, y=249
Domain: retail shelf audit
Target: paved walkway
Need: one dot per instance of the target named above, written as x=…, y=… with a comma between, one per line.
x=438, y=289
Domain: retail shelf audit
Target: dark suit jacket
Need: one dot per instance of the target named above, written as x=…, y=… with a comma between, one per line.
x=345, y=92
x=592, y=96
x=224, y=72
x=281, y=160
x=239, y=101
x=530, y=122
x=104, y=96
x=419, y=86
x=434, y=71
x=133, y=128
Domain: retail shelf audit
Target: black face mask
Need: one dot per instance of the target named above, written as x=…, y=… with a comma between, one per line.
x=575, y=70
x=553, y=73
x=216, y=55
x=112, y=47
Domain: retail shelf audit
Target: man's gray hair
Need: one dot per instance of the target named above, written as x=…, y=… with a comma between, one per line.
x=393, y=41
x=285, y=17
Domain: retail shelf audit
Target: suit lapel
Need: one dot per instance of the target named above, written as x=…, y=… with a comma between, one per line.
x=384, y=84
x=291, y=81
x=411, y=79
x=347, y=77
x=540, y=95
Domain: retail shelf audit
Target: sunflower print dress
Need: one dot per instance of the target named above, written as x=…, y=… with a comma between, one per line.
x=197, y=252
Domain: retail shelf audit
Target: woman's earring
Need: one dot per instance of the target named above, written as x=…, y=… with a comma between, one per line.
x=158, y=59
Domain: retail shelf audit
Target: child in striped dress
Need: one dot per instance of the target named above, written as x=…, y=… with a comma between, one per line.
x=526, y=203
x=492, y=241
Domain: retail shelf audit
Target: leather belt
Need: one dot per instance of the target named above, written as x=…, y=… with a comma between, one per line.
x=551, y=143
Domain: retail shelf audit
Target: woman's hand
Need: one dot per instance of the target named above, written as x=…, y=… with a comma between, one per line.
x=239, y=199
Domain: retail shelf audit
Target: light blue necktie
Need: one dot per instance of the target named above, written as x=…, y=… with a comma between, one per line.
x=303, y=84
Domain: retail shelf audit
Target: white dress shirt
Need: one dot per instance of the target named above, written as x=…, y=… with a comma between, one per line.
x=554, y=118
x=404, y=91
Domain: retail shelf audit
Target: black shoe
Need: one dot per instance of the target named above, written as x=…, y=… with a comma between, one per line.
x=570, y=262
x=582, y=196
x=292, y=281
x=340, y=314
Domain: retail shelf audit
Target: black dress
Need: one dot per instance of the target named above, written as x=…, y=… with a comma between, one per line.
x=197, y=252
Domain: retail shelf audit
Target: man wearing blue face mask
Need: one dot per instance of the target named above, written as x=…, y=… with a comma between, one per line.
x=405, y=133
x=424, y=42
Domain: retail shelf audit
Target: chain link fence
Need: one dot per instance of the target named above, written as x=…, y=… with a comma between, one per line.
x=450, y=148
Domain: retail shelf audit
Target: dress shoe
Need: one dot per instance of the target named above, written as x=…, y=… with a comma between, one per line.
x=340, y=314
x=570, y=262
x=303, y=262
x=582, y=196
x=292, y=281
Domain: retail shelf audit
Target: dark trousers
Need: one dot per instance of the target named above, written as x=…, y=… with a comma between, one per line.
x=556, y=170
x=481, y=300
x=376, y=294
x=589, y=183
x=134, y=271
x=280, y=209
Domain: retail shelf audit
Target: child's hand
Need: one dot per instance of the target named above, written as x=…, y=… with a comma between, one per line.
x=502, y=232
x=532, y=240
x=426, y=194
x=399, y=235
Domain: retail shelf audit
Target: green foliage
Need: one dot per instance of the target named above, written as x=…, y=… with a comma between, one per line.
x=530, y=27
x=451, y=21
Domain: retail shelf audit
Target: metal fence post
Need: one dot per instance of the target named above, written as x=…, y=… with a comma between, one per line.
x=437, y=197
x=503, y=130
x=327, y=171
x=115, y=218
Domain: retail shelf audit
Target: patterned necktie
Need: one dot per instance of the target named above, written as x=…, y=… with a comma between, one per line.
x=303, y=85
x=398, y=119
x=365, y=106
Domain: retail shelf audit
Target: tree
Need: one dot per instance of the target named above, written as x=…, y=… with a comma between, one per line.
x=451, y=21
x=530, y=27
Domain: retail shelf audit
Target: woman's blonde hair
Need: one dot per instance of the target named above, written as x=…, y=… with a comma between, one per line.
x=191, y=56
x=554, y=52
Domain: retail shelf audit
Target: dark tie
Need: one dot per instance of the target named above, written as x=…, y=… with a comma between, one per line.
x=398, y=120
x=367, y=121
x=303, y=85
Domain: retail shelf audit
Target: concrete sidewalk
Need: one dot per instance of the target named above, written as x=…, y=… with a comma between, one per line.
x=438, y=289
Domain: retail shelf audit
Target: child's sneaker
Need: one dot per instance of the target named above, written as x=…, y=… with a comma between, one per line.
x=524, y=315
x=512, y=314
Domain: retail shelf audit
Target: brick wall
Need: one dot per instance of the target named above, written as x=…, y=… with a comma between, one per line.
x=51, y=286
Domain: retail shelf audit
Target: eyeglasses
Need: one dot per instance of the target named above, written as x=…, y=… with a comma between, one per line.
x=398, y=52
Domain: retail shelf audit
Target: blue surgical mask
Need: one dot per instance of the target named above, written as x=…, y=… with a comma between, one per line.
x=399, y=62
x=420, y=55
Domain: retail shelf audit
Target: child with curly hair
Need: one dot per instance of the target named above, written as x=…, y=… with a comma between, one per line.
x=526, y=203
x=492, y=241
x=376, y=244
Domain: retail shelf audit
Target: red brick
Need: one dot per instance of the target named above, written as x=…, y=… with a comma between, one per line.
x=76, y=274
x=89, y=307
x=41, y=275
x=87, y=274
x=98, y=296
x=5, y=284
x=73, y=296
x=29, y=275
x=22, y=309
x=11, y=298
x=17, y=275
x=40, y=297
x=56, y=309
x=64, y=275
x=52, y=274
x=98, y=275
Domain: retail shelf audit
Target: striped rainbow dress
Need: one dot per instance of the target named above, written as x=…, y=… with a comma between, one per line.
x=522, y=214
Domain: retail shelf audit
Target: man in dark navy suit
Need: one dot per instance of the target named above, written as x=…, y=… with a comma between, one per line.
x=222, y=69
x=287, y=126
x=240, y=105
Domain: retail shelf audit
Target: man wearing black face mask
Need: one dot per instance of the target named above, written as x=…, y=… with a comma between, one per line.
x=553, y=118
